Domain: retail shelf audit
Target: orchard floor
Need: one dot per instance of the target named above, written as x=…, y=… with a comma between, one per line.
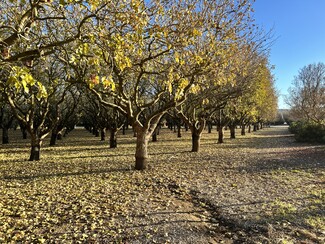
x=261, y=188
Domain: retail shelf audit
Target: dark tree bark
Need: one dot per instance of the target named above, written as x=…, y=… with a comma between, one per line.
x=113, y=138
x=5, y=135
x=59, y=137
x=54, y=136
x=232, y=131
x=179, y=131
x=243, y=131
x=95, y=131
x=220, y=134
x=209, y=127
x=196, y=129
x=154, y=135
x=35, y=148
x=196, y=141
x=24, y=132
x=102, y=134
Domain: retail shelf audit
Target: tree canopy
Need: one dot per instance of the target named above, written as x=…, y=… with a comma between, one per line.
x=140, y=58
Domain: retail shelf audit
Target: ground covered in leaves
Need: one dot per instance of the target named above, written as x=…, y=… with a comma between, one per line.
x=261, y=188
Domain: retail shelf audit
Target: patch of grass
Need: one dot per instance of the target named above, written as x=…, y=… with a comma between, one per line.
x=318, y=194
x=317, y=222
x=283, y=209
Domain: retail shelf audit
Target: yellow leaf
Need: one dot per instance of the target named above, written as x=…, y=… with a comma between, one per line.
x=195, y=89
x=108, y=82
x=176, y=55
x=196, y=32
x=205, y=101
x=23, y=82
x=122, y=61
x=42, y=93
x=183, y=83
x=170, y=87
x=198, y=59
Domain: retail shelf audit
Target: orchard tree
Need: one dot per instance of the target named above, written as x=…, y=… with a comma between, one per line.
x=307, y=94
x=204, y=105
x=30, y=93
x=29, y=31
x=152, y=55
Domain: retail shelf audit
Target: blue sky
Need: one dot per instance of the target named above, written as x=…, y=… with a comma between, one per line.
x=299, y=29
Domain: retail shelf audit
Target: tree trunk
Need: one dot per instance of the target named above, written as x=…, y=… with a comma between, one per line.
x=243, y=132
x=141, y=153
x=195, y=141
x=255, y=127
x=232, y=131
x=35, y=149
x=154, y=135
x=249, y=128
x=59, y=137
x=5, y=135
x=54, y=136
x=220, y=134
x=170, y=125
x=102, y=134
x=24, y=132
x=113, y=138
x=209, y=127
x=95, y=132
x=179, y=131
x=123, y=129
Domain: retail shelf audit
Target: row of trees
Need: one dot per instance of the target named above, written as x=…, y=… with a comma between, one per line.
x=115, y=62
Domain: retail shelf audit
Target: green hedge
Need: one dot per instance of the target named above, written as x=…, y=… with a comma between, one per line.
x=308, y=132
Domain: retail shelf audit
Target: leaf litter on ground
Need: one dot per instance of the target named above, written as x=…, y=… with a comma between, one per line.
x=260, y=188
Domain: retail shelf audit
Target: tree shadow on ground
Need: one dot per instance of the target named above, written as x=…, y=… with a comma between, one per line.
x=64, y=174
x=305, y=160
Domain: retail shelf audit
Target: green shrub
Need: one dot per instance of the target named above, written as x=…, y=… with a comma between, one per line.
x=295, y=127
x=308, y=132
